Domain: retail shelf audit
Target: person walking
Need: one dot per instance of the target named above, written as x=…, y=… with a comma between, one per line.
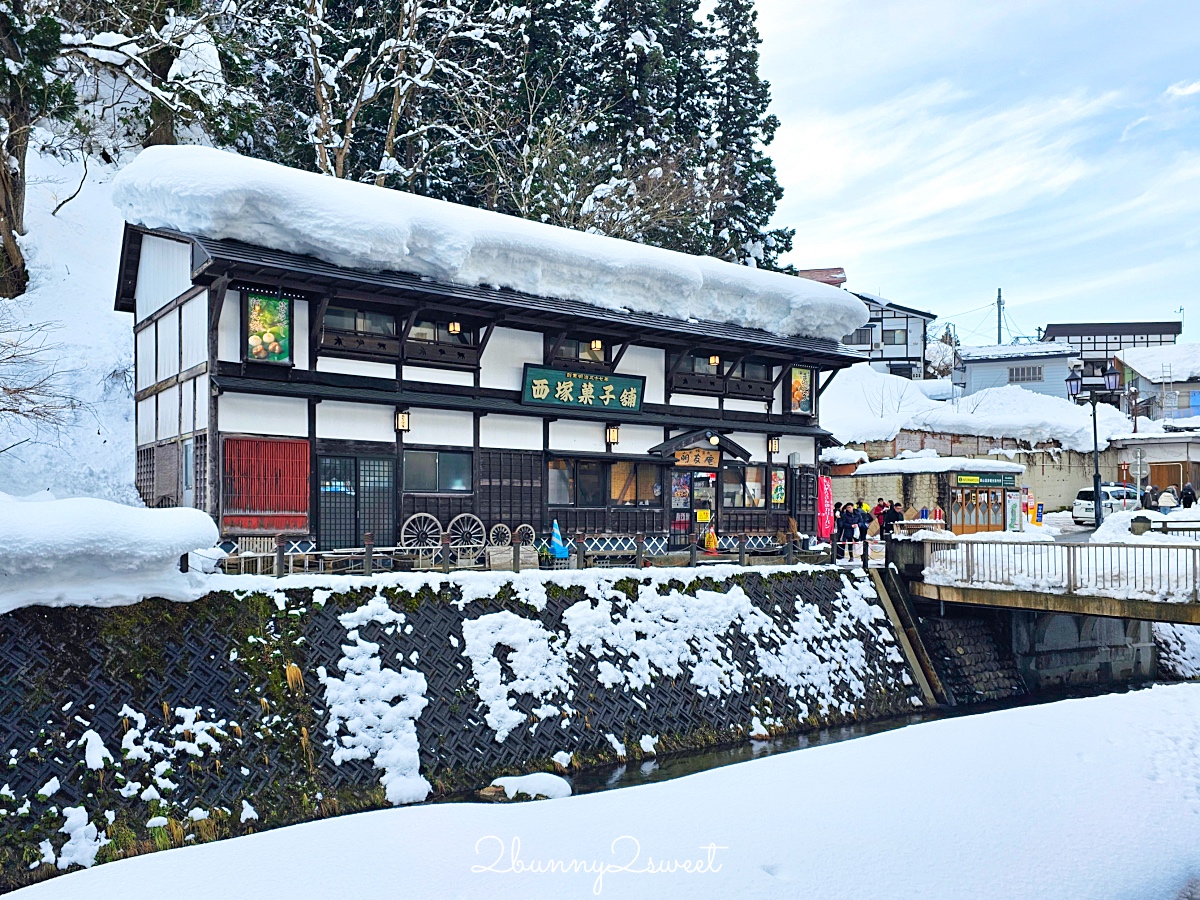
x=1167, y=501
x=1188, y=497
x=1150, y=498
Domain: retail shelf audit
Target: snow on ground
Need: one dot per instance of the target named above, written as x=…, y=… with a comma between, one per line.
x=1178, y=650
x=862, y=404
x=1094, y=798
x=359, y=226
x=72, y=260
x=1116, y=527
x=93, y=552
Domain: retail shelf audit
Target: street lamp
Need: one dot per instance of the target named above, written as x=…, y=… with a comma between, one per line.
x=1112, y=380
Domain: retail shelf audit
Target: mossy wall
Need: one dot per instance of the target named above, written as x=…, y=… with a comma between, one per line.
x=214, y=712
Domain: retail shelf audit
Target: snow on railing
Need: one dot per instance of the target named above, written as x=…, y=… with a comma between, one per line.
x=1126, y=571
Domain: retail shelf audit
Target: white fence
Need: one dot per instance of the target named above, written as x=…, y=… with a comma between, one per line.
x=1125, y=571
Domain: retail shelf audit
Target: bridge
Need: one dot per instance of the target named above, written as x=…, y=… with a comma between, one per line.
x=1151, y=582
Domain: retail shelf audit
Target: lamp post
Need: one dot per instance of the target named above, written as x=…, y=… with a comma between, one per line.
x=1112, y=380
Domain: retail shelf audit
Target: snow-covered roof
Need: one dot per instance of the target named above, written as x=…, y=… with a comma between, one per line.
x=862, y=404
x=918, y=464
x=1159, y=365
x=221, y=195
x=884, y=301
x=1015, y=351
x=842, y=456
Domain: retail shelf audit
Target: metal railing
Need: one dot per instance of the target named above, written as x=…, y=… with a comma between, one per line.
x=1125, y=571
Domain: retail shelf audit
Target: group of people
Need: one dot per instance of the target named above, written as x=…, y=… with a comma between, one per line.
x=852, y=520
x=1168, y=498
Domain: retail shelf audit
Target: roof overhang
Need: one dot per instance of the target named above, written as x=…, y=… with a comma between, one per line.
x=709, y=437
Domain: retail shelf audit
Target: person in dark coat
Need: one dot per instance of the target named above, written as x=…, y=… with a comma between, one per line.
x=894, y=514
x=1188, y=497
x=1150, y=498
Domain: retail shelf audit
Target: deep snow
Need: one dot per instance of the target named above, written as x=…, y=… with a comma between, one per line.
x=1095, y=798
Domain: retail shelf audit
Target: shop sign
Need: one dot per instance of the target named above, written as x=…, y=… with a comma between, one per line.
x=584, y=390
x=704, y=515
x=778, y=487
x=986, y=479
x=698, y=458
x=802, y=394
x=824, y=507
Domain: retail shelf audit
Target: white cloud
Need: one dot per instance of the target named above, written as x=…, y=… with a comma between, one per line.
x=1183, y=89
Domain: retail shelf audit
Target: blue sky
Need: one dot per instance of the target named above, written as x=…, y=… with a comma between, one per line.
x=940, y=149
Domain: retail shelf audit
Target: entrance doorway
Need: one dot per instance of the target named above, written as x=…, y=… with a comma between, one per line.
x=693, y=504
x=976, y=509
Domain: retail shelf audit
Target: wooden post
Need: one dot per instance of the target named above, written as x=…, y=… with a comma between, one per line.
x=581, y=549
x=368, y=552
x=1195, y=575
x=639, y=545
x=692, y=552
x=866, y=562
x=183, y=563
x=741, y=549
x=280, y=556
x=516, y=556
x=445, y=553
x=789, y=552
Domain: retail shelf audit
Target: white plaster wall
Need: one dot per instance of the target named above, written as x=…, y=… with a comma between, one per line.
x=805, y=446
x=694, y=400
x=504, y=358
x=145, y=420
x=438, y=376
x=146, y=364
x=356, y=421
x=638, y=438
x=511, y=432
x=187, y=407
x=300, y=334
x=260, y=414
x=229, y=328
x=651, y=363
x=168, y=412
x=355, y=367
x=583, y=436
x=202, y=389
x=194, y=331
x=754, y=442
x=734, y=404
x=441, y=427
x=168, y=346
x=777, y=400
x=164, y=272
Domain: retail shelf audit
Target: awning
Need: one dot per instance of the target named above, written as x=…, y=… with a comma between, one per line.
x=708, y=436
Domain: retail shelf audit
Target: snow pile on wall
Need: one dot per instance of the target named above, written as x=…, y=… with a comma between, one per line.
x=842, y=456
x=862, y=405
x=928, y=461
x=360, y=226
x=96, y=552
x=1116, y=527
x=1178, y=650
x=1182, y=361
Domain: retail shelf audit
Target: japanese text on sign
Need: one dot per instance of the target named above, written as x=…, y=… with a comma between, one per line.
x=704, y=459
x=555, y=387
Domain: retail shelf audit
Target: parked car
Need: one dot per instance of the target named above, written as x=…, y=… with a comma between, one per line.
x=1115, y=496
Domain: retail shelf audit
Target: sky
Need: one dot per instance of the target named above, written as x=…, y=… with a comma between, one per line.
x=941, y=149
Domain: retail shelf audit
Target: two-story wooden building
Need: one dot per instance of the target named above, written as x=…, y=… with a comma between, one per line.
x=284, y=393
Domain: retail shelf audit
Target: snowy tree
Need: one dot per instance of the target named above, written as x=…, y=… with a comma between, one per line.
x=940, y=354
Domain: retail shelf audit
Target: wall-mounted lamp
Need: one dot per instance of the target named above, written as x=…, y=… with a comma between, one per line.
x=714, y=438
x=773, y=444
x=455, y=327
x=714, y=360
x=612, y=433
x=597, y=344
x=402, y=420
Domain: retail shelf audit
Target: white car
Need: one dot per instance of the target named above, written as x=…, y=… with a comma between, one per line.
x=1115, y=497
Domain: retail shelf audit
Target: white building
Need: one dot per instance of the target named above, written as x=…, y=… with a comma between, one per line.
x=1166, y=378
x=894, y=338
x=1099, y=342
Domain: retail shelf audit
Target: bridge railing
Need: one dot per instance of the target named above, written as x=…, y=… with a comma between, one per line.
x=1127, y=571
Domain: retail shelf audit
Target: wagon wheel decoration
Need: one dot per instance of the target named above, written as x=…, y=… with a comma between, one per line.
x=500, y=536
x=525, y=535
x=466, y=532
x=421, y=532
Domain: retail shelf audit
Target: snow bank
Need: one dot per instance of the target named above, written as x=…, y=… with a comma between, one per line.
x=538, y=784
x=842, y=456
x=1116, y=527
x=1025, y=819
x=925, y=463
x=862, y=404
x=1182, y=361
x=360, y=226
x=95, y=552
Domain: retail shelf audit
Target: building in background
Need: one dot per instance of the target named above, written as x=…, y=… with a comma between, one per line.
x=894, y=338
x=1099, y=342
x=1163, y=381
x=1042, y=368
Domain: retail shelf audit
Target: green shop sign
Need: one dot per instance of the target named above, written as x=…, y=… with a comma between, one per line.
x=558, y=387
x=986, y=479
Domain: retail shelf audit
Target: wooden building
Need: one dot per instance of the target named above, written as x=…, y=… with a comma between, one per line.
x=285, y=394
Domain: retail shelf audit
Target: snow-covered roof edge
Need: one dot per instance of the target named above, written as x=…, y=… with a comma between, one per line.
x=223, y=195
x=1015, y=351
x=934, y=464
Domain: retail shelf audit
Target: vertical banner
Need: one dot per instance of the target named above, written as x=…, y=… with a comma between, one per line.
x=1016, y=522
x=824, y=507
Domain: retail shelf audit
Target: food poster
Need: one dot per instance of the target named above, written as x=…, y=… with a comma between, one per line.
x=268, y=328
x=802, y=393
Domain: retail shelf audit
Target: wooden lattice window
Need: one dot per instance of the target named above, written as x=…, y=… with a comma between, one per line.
x=266, y=485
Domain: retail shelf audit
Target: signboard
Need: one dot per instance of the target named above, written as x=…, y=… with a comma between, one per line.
x=778, y=487
x=986, y=479
x=698, y=458
x=804, y=401
x=704, y=515
x=1016, y=521
x=557, y=387
x=824, y=507
x=268, y=327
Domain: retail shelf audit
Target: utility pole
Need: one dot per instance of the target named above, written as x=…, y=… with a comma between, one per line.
x=999, y=317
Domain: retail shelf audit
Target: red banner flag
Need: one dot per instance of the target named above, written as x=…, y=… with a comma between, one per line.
x=824, y=507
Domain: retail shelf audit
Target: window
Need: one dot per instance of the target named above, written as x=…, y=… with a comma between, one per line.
x=360, y=321
x=268, y=324
x=1024, y=374
x=265, y=485
x=355, y=495
x=860, y=336
x=189, y=465
x=439, y=332
x=749, y=370
x=895, y=336
x=581, y=351
x=576, y=482
x=635, y=484
x=437, y=472
x=744, y=487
